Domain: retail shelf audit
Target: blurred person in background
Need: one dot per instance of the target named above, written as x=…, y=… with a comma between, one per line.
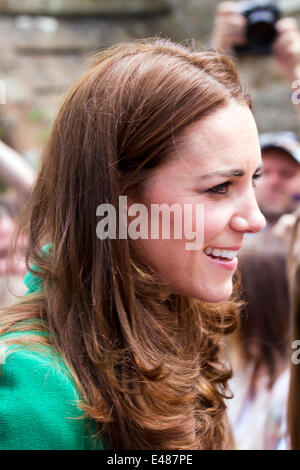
x=279, y=188
x=230, y=31
x=17, y=178
x=12, y=265
x=278, y=191
x=258, y=350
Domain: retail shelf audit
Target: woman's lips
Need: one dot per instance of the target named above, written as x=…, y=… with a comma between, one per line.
x=229, y=265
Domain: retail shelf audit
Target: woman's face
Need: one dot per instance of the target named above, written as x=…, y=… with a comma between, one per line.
x=214, y=167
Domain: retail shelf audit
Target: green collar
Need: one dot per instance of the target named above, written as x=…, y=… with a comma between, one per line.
x=32, y=281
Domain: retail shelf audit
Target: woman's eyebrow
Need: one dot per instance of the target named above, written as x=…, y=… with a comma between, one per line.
x=229, y=173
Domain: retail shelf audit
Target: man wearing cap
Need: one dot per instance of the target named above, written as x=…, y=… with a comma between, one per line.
x=278, y=191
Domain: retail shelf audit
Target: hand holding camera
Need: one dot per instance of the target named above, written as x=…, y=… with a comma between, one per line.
x=286, y=48
x=256, y=27
x=229, y=28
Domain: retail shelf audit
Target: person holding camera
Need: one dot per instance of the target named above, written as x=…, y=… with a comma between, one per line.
x=257, y=28
x=233, y=32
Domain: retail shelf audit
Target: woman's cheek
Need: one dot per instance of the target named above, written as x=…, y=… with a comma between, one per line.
x=215, y=222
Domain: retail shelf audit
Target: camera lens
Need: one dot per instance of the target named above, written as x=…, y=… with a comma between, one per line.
x=262, y=17
x=261, y=27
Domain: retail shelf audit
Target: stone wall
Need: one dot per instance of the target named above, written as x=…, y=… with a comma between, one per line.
x=72, y=8
x=44, y=46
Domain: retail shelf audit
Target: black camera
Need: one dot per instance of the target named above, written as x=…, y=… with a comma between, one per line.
x=262, y=17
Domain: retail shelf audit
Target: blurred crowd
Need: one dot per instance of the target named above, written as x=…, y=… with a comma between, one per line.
x=261, y=413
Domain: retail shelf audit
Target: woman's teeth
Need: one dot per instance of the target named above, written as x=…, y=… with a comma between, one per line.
x=216, y=253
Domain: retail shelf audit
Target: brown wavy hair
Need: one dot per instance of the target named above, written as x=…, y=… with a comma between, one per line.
x=147, y=362
x=294, y=284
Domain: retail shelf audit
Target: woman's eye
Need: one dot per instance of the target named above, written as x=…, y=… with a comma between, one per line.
x=256, y=177
x=220, y=188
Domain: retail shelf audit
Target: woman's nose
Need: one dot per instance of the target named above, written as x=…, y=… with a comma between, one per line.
x=249, y=219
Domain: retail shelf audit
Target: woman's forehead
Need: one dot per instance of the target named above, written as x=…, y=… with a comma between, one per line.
x=224, y=138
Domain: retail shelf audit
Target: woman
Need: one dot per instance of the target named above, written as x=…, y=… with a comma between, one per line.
x=132, y=321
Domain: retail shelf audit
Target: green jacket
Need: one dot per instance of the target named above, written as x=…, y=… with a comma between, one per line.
x=38, y=408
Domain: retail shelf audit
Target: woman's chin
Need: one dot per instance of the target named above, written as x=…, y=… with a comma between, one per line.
x=216, y=294
x=210, y=292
